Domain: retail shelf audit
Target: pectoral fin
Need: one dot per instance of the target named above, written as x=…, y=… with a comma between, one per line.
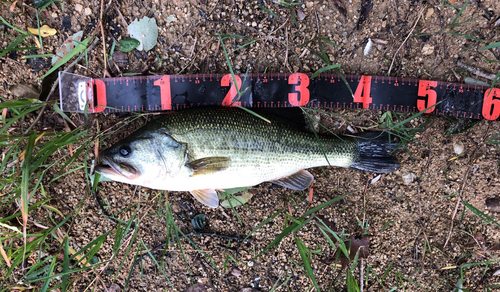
x=209, y=165
x=298, y=181
x=207, y=197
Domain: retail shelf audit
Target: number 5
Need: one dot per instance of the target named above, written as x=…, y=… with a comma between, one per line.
x=424, y=90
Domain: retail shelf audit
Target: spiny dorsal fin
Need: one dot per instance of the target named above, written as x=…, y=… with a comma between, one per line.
x=207, y=197
x=209, y=165
x=298, y=181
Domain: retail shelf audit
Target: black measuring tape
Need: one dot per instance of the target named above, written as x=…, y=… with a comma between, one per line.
x=276, y=90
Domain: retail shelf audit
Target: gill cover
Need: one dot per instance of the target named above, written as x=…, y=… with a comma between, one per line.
x=148, y=154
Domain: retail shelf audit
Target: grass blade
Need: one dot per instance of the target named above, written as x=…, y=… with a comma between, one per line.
x=303, y=251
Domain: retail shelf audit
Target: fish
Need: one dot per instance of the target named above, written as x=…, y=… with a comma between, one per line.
x=205, y=150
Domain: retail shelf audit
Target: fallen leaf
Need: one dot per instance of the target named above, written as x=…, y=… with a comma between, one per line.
x=128, y=45
x=237, y=200
x=145, y=31
x=69, y=44
x=45, y=31
x=24, y=91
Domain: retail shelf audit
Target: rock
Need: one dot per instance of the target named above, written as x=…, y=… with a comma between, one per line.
x=429, y=13
x=458, y=148
x=78, y=8
x=428, y=50
x=408, y=178
x=493, y=204
x=87, y=11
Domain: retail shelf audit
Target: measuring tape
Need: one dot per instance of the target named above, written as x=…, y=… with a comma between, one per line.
x=276, y=90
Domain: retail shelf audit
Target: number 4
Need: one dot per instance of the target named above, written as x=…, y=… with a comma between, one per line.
x=362, y=93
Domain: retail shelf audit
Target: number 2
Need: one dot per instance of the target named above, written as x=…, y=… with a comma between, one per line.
x=229, y=100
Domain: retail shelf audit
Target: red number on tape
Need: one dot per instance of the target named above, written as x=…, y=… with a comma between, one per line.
x=491, y=105
x=362, y=93
x=233, y=93
x=100, y=94
x=301, y=82
x=165, y=92
x=425, y=90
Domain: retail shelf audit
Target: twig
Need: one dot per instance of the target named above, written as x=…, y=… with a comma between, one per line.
x=476, y=71
x=407, y=37
x=463, y=186
x=361, y=281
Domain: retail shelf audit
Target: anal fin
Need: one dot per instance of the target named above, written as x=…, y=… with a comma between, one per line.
x=207, y=197
x=298, y=181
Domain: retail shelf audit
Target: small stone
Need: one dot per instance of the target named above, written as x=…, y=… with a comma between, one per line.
x=458, y=148
x=408, y=178
x=87, y=11
x=235, y=272
x=493, y=204
x=250, y=264
x=254, y=24
x=428, y=49
x=78, y=8
x=429, y=13
x=309, y=4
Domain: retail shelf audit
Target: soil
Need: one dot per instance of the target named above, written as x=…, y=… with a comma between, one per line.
x=419, y=222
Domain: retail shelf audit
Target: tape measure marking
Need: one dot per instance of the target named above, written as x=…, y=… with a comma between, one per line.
x=276, y=90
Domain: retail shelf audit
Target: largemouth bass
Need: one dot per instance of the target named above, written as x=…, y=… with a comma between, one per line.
x=208, y=149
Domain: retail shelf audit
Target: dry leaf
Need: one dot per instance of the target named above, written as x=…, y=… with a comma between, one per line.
x=25, y=91
x=45, y=31
x=340, y=6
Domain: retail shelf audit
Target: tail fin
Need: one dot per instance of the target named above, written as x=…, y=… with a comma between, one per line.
x=376, y=152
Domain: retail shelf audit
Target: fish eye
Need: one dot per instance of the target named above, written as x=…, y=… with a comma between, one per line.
x=125, y=150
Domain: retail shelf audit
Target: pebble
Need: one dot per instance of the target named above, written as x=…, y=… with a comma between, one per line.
x=493, y=204
x=408, y=178
x=87, y=11
x=428, y=49
x=78, y=8
x=458, y=148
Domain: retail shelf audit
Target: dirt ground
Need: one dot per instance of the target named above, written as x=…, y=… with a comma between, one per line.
x=423, y=235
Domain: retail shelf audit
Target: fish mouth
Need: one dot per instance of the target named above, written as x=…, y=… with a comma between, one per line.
x=111, y=169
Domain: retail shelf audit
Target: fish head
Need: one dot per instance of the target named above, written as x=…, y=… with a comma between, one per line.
x=143, y=158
